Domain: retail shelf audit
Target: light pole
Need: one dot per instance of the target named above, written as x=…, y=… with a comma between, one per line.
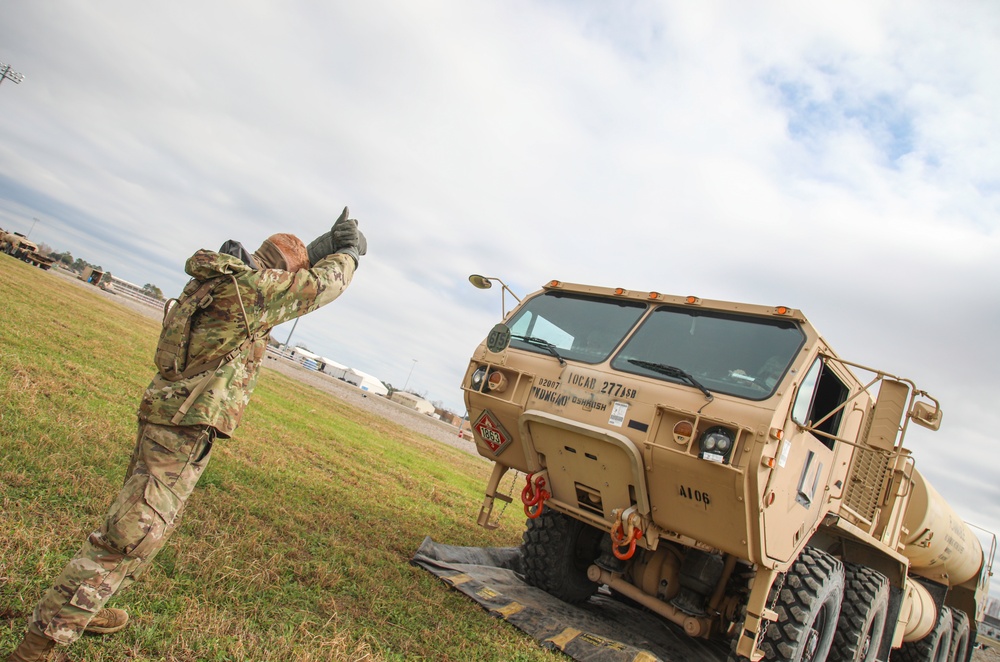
x=484, y=283
x=35, y=220
x=412, y=366
x=294, y=324
x=6, y=73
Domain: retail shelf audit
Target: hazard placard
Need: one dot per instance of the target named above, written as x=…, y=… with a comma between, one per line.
x=492, y=432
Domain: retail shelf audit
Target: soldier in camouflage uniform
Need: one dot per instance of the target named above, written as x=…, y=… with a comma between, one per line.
x=180, y=418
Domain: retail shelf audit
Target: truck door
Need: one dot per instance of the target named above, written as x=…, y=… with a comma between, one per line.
x=805, y=462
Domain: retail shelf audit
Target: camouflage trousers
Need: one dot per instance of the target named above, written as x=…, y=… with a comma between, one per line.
x=165, y=466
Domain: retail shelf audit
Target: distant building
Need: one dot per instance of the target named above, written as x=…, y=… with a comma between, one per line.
x=413, y=402
x=990, y=627
x=448, y=417
x=334, y=369
x=312, y=361
x=96, y=277
x=365, y=382
x=132, y=291
x=306, y=358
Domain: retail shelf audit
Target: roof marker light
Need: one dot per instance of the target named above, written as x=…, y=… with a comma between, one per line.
x=619, y=290
x=781, y=310
x=554, y=283
x=692, y=300
x=654, y=295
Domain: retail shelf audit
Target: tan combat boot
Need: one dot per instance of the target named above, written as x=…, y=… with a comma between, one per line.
x=107, y=621
x=33, y=648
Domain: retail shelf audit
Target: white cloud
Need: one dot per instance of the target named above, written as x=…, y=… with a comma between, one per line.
x=836, y=158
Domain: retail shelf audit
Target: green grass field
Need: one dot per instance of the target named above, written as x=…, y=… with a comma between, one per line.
x=294, y=546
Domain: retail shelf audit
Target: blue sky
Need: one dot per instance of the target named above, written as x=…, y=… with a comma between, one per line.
x=840, y=159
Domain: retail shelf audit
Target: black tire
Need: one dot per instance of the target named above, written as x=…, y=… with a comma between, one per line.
x=932, y=648
x=862, y=615
x=960, y=650
x=808, y=607
x=557, y=551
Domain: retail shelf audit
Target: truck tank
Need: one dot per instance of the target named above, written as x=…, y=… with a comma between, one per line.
x=940, y=546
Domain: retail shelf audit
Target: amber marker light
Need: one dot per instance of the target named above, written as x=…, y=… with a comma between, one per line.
x=654, y=295
x=781, y=310
x=619, y=290
x=683, y=431
x=497, y=382
x=554, y=283
x=692, y=300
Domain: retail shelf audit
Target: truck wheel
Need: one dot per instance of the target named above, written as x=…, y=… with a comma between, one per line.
x=959, y=650
x=557, y=551
x=862, y=615
x=808, y=607
x=932, y=648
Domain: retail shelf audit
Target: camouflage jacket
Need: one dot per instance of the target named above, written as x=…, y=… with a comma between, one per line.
x=270, y=297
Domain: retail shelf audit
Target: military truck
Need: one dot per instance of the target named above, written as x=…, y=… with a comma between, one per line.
x=720, y=465
x=17, y=245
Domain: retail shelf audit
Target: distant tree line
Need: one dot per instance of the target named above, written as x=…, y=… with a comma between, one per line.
x=153, y=291
x=77, y=265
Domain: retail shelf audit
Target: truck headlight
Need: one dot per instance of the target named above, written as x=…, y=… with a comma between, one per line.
x=488, y=380
x=716, y=444
x=478, y=377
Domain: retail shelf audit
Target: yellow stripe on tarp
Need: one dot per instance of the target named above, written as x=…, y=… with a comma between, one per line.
x=456, y=580
x=562, y=639
x=509, y=610
x=486, y=593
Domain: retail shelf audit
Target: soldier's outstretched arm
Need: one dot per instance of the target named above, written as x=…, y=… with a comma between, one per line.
x=285, y=295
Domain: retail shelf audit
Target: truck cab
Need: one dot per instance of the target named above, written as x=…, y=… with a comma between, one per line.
x=697, y=455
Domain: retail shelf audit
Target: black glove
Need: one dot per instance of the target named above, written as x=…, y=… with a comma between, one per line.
x=343, y=237
x=347, y=239
x=322, y=245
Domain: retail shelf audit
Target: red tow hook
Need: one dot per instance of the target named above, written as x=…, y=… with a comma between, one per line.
x=534, y=501
x=620, y=540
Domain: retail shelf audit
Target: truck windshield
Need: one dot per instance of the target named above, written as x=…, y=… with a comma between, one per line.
x=579, y=328
x=738, y=355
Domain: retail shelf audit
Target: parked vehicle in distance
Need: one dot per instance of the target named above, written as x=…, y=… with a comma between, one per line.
x=17, y=245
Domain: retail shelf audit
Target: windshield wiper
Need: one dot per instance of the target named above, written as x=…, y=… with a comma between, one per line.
x=543, y=343
x=672, y=371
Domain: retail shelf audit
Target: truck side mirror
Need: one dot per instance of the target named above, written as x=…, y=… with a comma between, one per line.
x=804, y=396
x=926, y=415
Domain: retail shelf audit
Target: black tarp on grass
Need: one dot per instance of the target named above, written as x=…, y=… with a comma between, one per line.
x=601, y=630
